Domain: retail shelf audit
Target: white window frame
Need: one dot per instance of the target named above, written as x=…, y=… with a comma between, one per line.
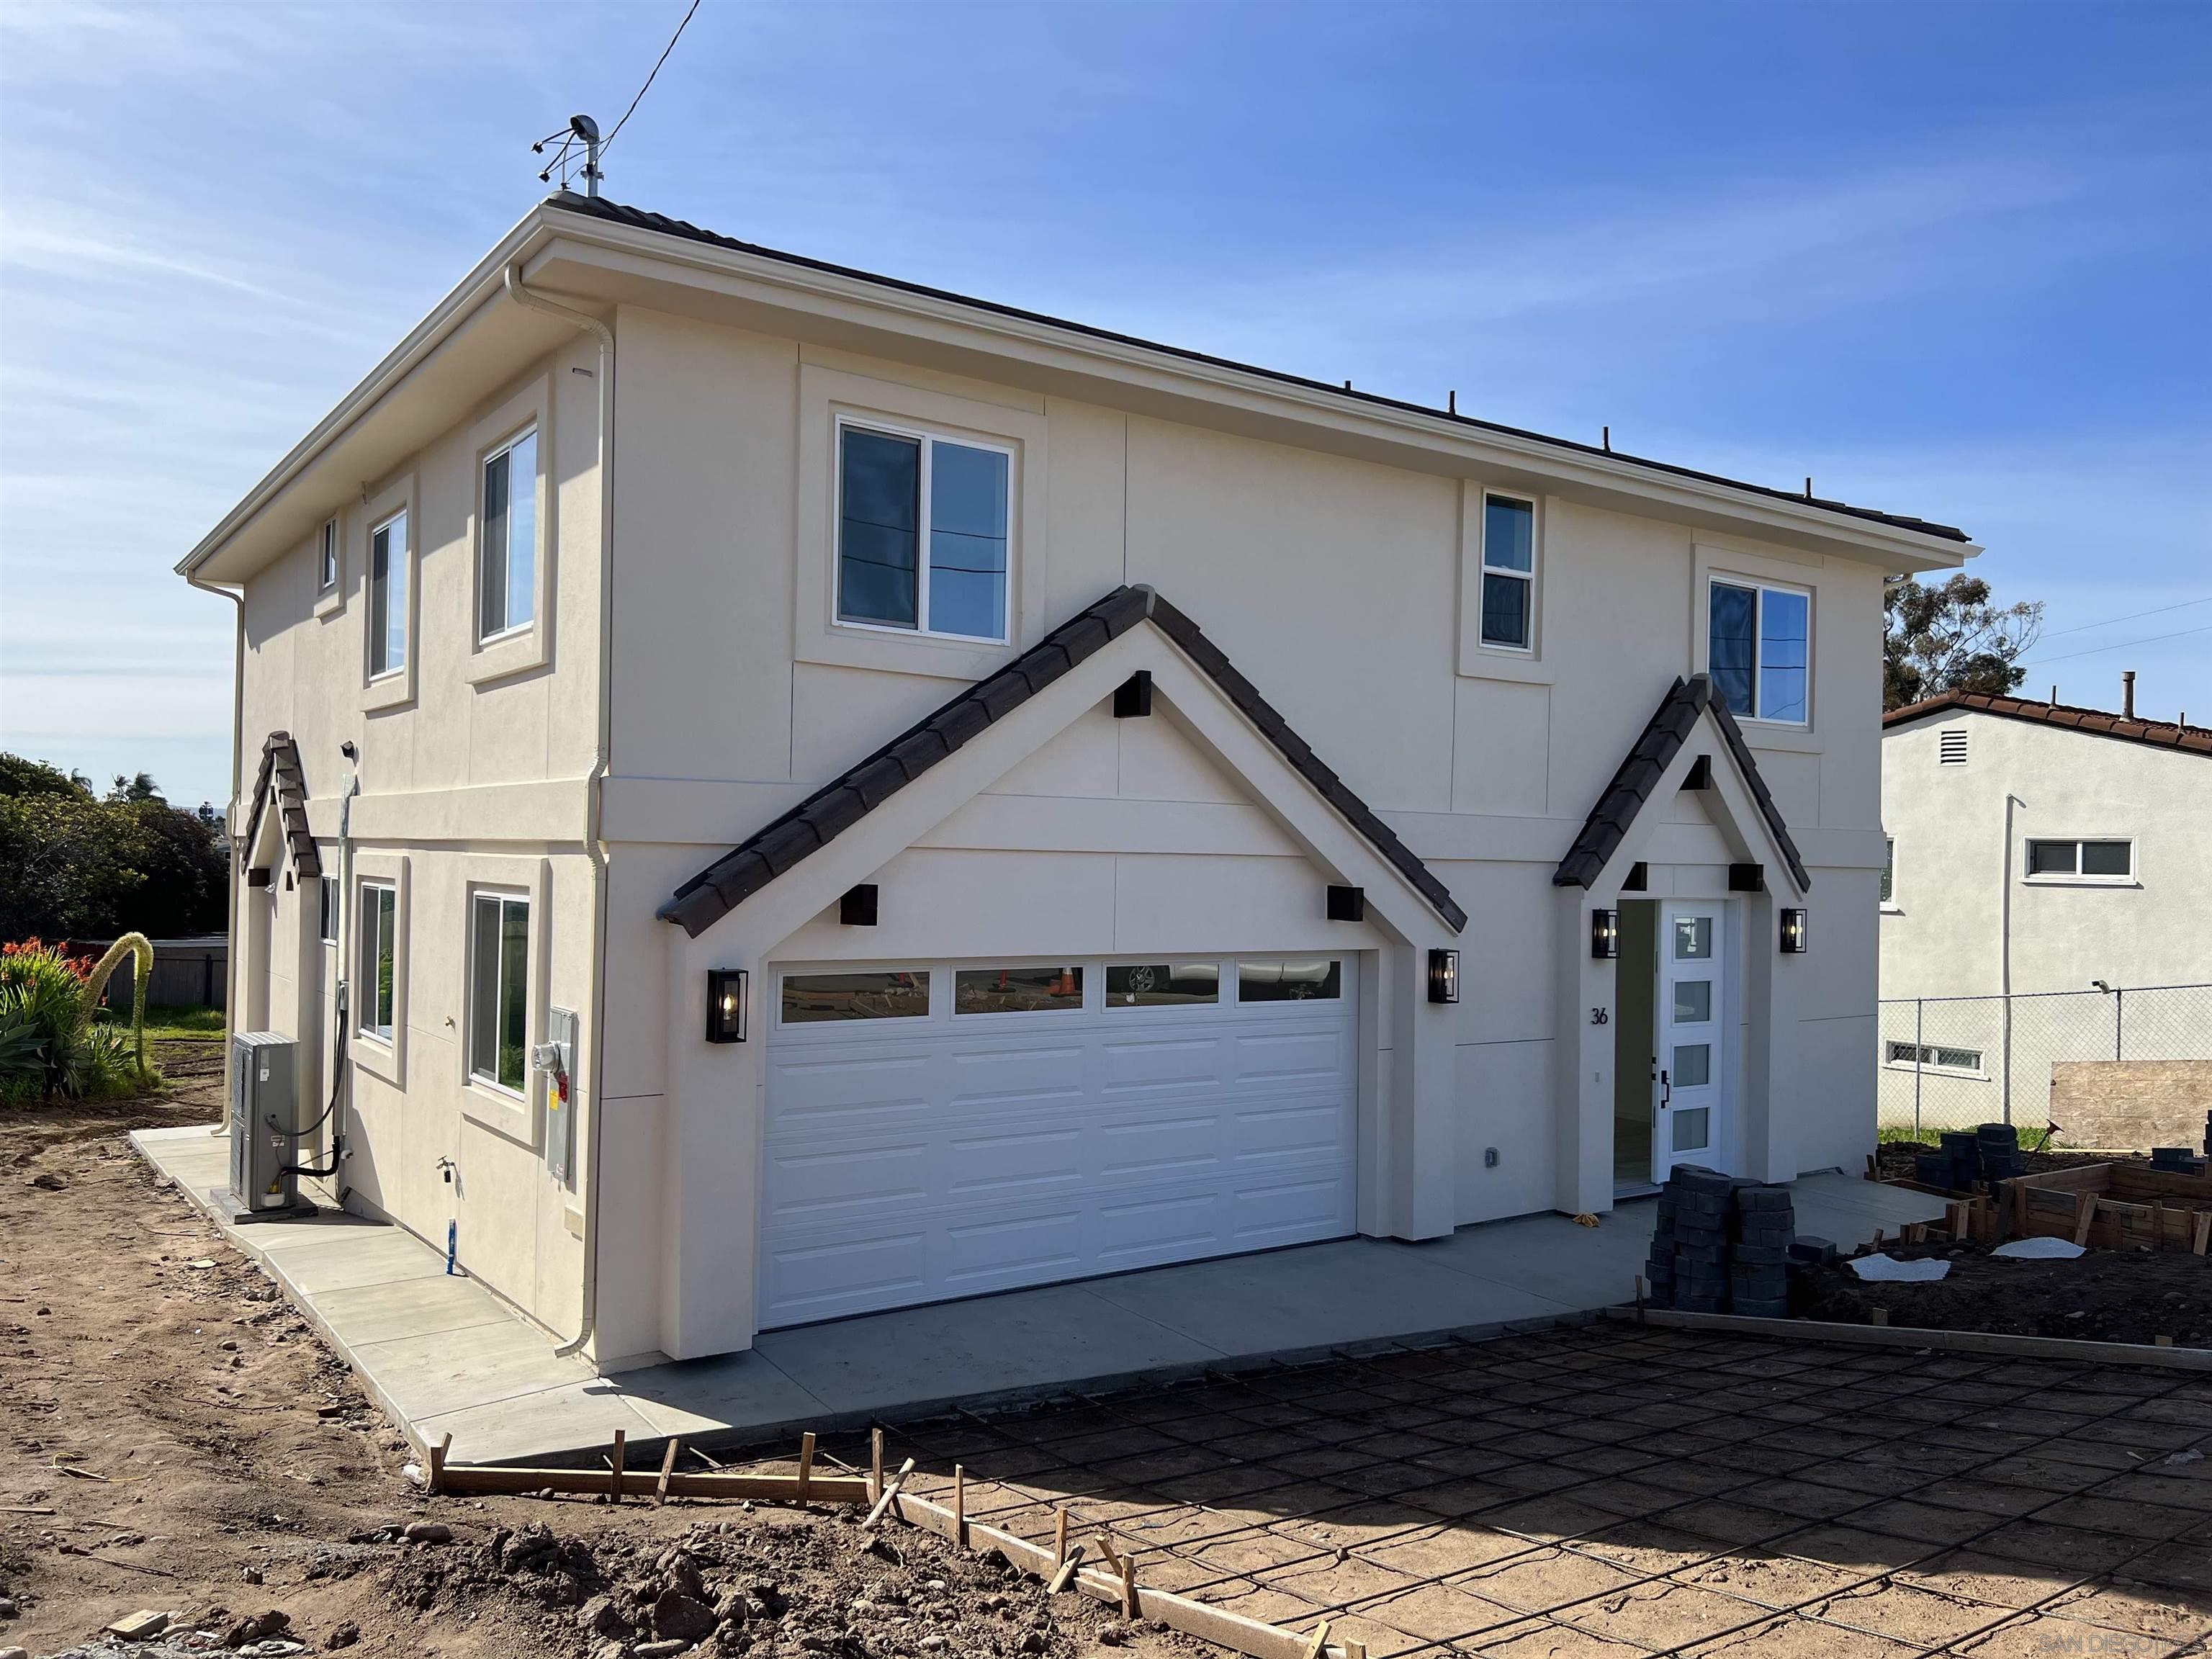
x=2075, y=878
x=364, y=1009
x=1761, y=587
x=1485, y=570
x=510, y=629
x=1889, y=900
x=1890, y=1063
x=503, y=896
x=329, y=906
x=395, y=556
x=326, y=558
x=929, y=439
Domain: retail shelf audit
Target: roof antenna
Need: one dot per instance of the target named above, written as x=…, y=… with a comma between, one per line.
x=1808, y=489
x=1607, y=431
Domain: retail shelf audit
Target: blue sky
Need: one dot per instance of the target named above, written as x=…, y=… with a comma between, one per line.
x=1947, y=259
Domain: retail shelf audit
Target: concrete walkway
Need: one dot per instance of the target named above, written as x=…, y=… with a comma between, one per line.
x=443, y=1355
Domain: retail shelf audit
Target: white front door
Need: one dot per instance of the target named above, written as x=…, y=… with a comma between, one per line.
x=1691, y=1106
x=942, y=1129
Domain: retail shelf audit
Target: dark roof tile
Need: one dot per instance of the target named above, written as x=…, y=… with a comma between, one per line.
x=728, y=882
x=2098, y=722
x=1645, y=764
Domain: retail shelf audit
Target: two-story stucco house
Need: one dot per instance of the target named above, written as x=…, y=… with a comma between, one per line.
x=990, y=801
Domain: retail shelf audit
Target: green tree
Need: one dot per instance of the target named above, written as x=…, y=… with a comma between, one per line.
x=1951, y=638
x=76, y=866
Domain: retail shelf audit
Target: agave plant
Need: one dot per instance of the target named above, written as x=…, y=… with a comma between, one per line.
x=49, y=1043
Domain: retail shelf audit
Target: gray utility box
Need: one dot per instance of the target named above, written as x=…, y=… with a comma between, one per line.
x=264, y=1118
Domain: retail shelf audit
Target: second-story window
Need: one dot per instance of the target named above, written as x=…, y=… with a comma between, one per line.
x=1758, y=647
x=507, y=560
x=326, y=567
x=387, y=597
x=1508, y=573
x=921, y=533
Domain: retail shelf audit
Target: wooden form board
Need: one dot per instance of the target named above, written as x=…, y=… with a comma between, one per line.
x=2113, y=1206
x=1216, y=1624
x=1916, y=1336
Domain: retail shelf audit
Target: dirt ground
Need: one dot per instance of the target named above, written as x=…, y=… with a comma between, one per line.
x=173, y=1437
x=1893, y=1158
x=176, y=1438
x=2103, y=1296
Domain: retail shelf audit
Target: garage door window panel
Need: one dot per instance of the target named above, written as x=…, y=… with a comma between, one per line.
x=1163, y=984
x=815, y=998
x=1018, y=990
x=1297, y=979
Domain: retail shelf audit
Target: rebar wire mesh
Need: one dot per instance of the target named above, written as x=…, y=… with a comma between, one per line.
x=1636, y=1493
x=1952, y=1062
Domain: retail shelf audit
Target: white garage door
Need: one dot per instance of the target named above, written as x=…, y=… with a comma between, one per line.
x=945, y=1129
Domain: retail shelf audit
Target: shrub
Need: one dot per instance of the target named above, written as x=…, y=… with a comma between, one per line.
x=49, y=1043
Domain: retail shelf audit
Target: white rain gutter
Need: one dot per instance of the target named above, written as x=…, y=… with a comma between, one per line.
x=594, y=787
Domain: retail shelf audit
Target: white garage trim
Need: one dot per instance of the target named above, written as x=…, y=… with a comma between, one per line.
x=919, y=1157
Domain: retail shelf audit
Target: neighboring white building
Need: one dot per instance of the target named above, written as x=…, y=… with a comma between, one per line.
x=2036, y=848
x=1068, y=764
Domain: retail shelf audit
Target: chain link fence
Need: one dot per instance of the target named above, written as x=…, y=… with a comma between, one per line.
x=1952, y=1062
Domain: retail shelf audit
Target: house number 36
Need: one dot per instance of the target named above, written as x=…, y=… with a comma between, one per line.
x=1598, y=1016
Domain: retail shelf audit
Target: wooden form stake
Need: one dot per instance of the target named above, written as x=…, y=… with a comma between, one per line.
x=875, y=1463
x=959, y=1506
x=1070, y=1564
x=1060, y=1536
x=888, y=1496
x=438, y=1464
x=1317, y=1643
x=2086, y=1209
x=2203, y=1232
x=1129, y=1588
x=615, y=1467
x=805, y=1462
x=668, y=1470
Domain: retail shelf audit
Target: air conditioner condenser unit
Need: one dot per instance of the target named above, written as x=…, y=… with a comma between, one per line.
x=264, y=1124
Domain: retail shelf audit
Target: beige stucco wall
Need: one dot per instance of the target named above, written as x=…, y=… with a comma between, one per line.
x=1341, y=586
x=472, y=769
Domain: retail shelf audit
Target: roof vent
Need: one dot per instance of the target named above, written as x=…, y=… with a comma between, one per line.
x=1951, y=746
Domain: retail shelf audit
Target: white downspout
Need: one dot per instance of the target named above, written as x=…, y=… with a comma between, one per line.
x=237, y=597
x=595, y=785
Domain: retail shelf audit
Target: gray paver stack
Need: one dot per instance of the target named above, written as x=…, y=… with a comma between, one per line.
x=1721, y=1245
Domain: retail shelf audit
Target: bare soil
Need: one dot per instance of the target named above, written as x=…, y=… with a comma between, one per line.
x=2102, y=1296
x=174, y=1436
x=1893, y=1158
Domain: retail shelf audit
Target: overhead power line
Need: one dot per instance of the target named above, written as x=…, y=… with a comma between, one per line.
x=2125, y=645
x=2132, y=616
x=647, y=86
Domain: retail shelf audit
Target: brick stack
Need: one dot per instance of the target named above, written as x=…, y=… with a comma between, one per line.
x=1998, y=1145
x=2177, y=1160
x=1721, y=1245
x=1759, y=1263
x=1956, y=1164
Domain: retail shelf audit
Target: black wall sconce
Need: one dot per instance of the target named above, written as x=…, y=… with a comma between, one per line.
x=858, y=908
x=1443, y=976
x=1794, y=928
x=1605, y=935
x=1347, y=903
x=726, y=1004
x=1133, y=698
